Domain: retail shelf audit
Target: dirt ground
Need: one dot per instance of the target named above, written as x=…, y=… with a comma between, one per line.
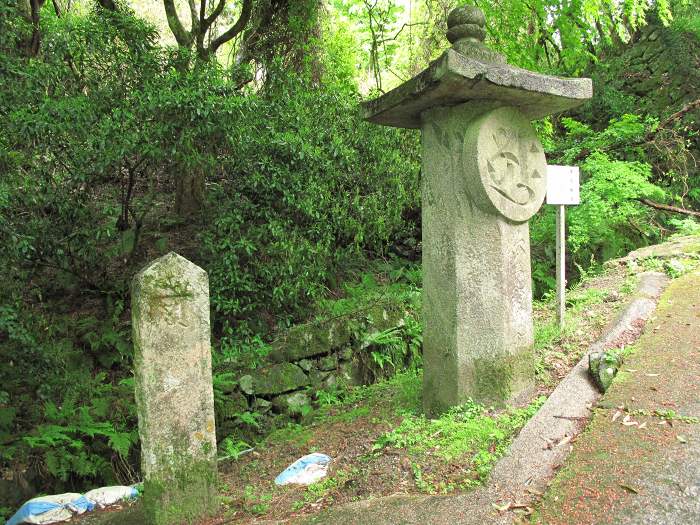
x=348, y=432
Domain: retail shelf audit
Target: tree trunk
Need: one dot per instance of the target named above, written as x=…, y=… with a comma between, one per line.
x=189, y=193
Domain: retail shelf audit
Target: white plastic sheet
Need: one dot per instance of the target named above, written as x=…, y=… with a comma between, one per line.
x=305, y=470
x=106, y=496
x=51, y=509
x=54, y=509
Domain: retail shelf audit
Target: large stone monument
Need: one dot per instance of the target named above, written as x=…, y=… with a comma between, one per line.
x=174, y=394
x=483, y=178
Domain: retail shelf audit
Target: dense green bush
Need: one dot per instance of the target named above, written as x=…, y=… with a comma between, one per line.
x=307, y=186
x=610, y=220
x=97, y=132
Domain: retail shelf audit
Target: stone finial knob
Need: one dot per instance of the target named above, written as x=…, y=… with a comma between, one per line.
x=466, y=32
x=466, y=22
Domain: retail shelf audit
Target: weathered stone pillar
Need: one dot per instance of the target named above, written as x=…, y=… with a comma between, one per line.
x=174, y=394
x=483, y=178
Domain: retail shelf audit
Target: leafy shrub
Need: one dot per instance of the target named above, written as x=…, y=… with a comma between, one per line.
x=306, y=187
x=98, y=132
x=610, y=220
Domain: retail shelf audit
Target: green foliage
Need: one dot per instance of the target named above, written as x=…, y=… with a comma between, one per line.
x=685, y=226
x=256, y=503
x=609, y=196
x=230, y=448
x=467, y=429
x=386, y=282
x=309, y=181
x=611, y=220
x=396, y=347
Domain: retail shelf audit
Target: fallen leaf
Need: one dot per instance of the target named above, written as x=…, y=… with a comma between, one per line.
x=652, y=375
x=629, y=488
x=518, y=506
x=681, y=438
x=630, y=423
x=616, y=415
x=564, y=440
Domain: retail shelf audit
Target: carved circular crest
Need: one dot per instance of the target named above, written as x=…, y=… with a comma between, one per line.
x=509, y=175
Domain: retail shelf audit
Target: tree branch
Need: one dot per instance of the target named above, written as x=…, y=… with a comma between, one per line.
x=202, y=13
x=208, y=21
x=690, y=106
x=194, y=17
x=668, y=207
x=236, y=28
x=183, y=38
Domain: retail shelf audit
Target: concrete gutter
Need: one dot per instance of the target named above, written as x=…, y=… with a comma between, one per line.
x=536, y=452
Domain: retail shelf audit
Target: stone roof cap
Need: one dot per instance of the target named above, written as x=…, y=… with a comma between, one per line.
x=454, y=79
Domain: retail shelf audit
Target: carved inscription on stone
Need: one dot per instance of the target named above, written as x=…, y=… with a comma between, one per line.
x=510, y=165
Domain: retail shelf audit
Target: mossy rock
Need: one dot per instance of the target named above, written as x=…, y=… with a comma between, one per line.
x=318, y=377
x=278, y=379
x=384, y=316
x=295, y=403
x=603, y=367
x=350, y=373
x=310, y=340
x=235, y=403
x=328, y=362
x=262, y=406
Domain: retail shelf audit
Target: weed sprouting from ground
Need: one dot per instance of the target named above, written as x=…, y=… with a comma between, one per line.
x=466, y=432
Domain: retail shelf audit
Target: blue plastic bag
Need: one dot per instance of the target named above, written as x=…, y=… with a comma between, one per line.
x=51, y=509
x=305, y=471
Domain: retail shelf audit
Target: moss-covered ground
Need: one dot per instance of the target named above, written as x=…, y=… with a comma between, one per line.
x=628, y=466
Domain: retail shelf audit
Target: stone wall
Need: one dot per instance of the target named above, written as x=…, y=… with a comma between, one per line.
x=657, y=73
x=308, y=358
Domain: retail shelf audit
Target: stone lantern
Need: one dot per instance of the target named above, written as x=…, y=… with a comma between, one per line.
x=483, y=178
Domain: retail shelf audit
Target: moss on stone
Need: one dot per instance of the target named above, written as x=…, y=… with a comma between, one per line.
x=310, y=340
x=185, y=494
x=496, y=379
x=278, y=379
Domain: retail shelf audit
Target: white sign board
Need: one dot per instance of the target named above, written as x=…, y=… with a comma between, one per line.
x=562, y=185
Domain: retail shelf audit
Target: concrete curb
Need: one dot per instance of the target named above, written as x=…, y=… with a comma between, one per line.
x=536, y=452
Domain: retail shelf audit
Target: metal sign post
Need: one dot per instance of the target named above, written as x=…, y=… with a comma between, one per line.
x=562, y=190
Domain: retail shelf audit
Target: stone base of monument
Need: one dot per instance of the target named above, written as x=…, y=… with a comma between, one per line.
x=189, y=494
